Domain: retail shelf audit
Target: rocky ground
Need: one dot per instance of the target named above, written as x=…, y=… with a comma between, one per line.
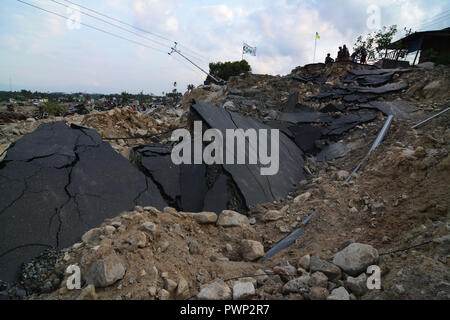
x=394, y=213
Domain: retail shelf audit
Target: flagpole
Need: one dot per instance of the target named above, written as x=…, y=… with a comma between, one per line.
x=315, y=47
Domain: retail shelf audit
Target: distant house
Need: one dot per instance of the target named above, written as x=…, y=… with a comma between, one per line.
x=419, y=42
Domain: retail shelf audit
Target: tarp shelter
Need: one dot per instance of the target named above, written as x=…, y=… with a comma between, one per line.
x=438, y=40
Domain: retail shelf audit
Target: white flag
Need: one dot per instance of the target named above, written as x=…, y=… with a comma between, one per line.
x=249, y=50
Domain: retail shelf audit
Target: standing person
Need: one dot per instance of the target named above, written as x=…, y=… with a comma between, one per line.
x=346, y=53
x=363, y=56
x=354, y=55
x=329, y=59
x=339, y=55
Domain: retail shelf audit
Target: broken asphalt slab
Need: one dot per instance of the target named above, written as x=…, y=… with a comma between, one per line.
x=194, y=188
x=57, y=183
x=358, y=94
x=401, y=110
x=254, y=187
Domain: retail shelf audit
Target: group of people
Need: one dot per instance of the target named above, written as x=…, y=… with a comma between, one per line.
x=344, y=55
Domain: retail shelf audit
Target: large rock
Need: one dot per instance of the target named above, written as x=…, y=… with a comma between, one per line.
x=230, y=218
x=355, y=258
x=330, y=270
x=58, y=182
x=251, y=250
x=105, y=272
x=217, y=290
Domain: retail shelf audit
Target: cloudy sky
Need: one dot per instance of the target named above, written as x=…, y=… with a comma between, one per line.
x=41, y=51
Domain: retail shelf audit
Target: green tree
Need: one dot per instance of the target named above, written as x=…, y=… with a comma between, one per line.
x=125, y=97
x=225, y=70
x=376, y=43
x=53, y=109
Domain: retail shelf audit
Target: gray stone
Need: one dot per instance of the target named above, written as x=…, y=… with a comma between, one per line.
x=304, y=262
x=149, y=226
x=202, y=217
x=170, y=285
x=318, y=293
x=88, y=293
x=339, y=294
x=355, y=259
x=243, y=291
x=217, y=290
x=230, y=218
x=193, y=247
x=399, y=289
x=358, y=285
x=106, y=272
x=299, y=285
x=163, y=295
x=182, y=289
x=251, y=250
x=91, y=235
x=330, y=270
x=318, y=279
x=272, y=215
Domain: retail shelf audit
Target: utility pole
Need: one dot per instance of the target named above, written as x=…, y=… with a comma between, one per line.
x=174, y=49
x=10, y=84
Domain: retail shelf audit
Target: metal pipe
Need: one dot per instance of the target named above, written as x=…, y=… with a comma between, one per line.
x=375, y=145
x=429, y=119
x=288, y=241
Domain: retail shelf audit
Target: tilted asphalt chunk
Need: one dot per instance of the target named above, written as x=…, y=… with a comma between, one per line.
x=254, y=187
x=57, y=183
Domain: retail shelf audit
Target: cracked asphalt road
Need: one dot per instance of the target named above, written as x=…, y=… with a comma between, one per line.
x=57, y=183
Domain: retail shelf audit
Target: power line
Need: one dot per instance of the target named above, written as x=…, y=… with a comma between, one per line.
x=114, y=25
x=441, y=15
x=438, y=21
x=117, y=20
x=430, y=19
x=134, y=27
x=92, y=27
x=117, y=36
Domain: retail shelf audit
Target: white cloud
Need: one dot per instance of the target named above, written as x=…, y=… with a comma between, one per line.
x=219, y=13
x=157, y=14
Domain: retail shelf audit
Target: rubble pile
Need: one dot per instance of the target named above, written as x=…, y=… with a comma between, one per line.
x=211, y=233
x=124, y=123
